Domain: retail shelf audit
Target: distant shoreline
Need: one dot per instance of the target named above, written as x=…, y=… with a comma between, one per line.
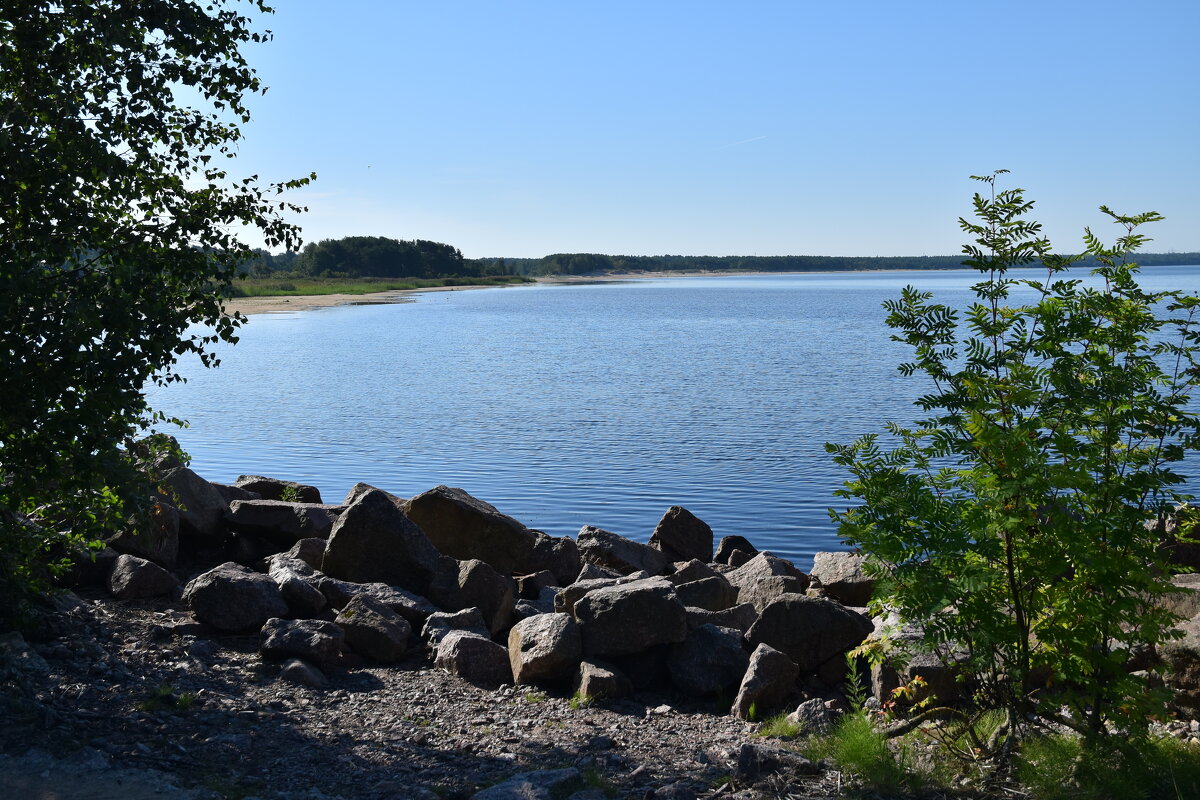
x=285, y=303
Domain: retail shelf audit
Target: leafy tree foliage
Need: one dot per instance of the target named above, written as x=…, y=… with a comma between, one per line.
x=380, y=257
x=119, y=228
x=1009, y=525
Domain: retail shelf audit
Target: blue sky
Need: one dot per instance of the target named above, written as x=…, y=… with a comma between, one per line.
x=726, y=128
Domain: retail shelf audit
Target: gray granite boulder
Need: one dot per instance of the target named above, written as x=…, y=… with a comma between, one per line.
x=545, y=649
x=769, y=679
x=809, y=630
x=374, y=542
x=234, y=598
x=713, y=594
x=841, y=576
x=465, y=527
x=439, y=624
x=373, y=630
x=681, y=536
x=201, y=507
x=729, y=544
x=741, y=617
x=546, y=784
x=607, y=549
x=708, y=661
x=630, y=617
x=474, y=584
x=313, y=640
x=276, y=489
x=474, y=658
x=134, y=578
x=281, y=521
x=413, y=607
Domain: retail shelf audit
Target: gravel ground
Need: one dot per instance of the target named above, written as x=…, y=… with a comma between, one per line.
x=134, y=699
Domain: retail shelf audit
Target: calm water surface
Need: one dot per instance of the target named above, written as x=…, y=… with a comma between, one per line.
x=570, y=405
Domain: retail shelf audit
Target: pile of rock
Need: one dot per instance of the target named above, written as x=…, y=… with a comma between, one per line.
x=601, y=615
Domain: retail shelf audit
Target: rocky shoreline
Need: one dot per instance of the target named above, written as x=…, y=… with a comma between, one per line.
x=261, y=643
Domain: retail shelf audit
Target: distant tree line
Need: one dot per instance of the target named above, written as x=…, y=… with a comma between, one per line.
x=380, y=257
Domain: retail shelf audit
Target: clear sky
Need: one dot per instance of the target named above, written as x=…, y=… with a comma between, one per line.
x=520, y=128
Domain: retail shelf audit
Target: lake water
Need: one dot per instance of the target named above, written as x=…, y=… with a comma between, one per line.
x=562, y=406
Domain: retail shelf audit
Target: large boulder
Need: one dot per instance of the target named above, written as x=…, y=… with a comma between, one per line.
x=474, y=584
x=765, y=578
x=630, y=617
x=374, y=542
x=568, y=596
x=234, y=598
x=441, y=623
x=373, y=630
x=708, y=661
x=1181, y=658
x=299, y=584
x=465, y=527
x=134, y=578
x=769, y=679
x=731, y=544
x=275, y=489
x=545, y=649
x=741, y=617
x=314, y=640
x=841, y=576
x=681, y=536
x=281, y=521
x=713, y=594
x=413, y=607
x=201, y=507
x=1185, y=599
x=359, y=489
x=607, y=549
x=474, y=658
x=809, y=630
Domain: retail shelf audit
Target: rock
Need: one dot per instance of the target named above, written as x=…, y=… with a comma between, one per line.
x=568, y=596
x=234, y=598
x=693, y=570
x=529, y=586
x=16, y=656
x=281, y=521
x=1185, y=600
x=546, y=784
x=708, y=661
x=133, y=578
x=762, y=591
x=741, y=617
x=809, y=630
x=769, y=679
x=474, y=658
x=630, y=617
x=441, y=623
x=304, y=674
x=275, y=489
x=374, y=542
x=607, y=549
x=313, y=640
x=590, y=571
x=647, y=669
x=681, y=536
x=155, y=539
x=373, y=630
x=737, y=558
x=841, y=576
x=412, y=607
x=1181, y=657
x=597, y=681
x=729, y=544
x=545, y=650
x=89, y=567
x=474, y=584
x=359, y=489
x=756, y=761
x=464, y=527
x=812, y=717
x=298, y=585
x=230, y=493
x=201, y=507
x=310, y=551
x=711, y=594
x=764, y=578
